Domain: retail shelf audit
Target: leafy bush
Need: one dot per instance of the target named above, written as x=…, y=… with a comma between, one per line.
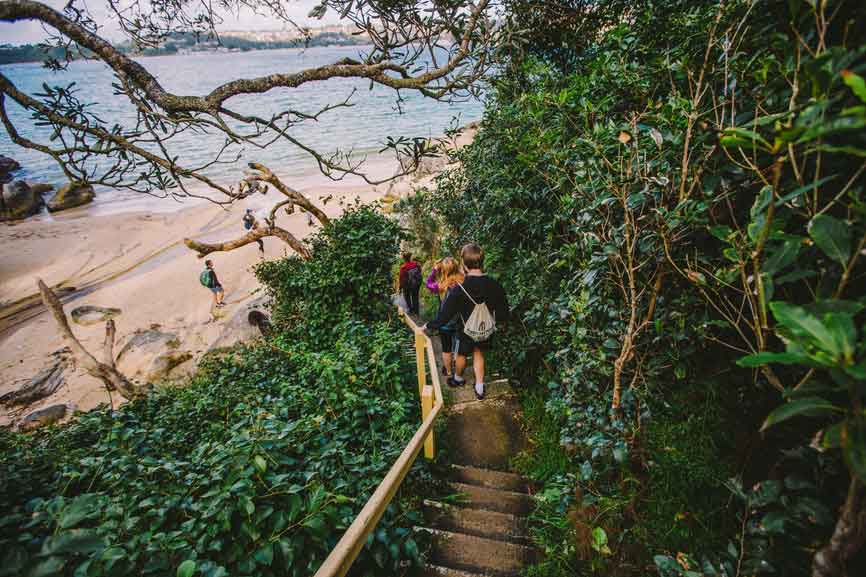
x=254, y=468
x=652, y=203
x=349, y=276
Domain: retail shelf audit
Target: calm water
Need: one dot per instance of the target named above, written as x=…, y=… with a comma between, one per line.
x=363, y=127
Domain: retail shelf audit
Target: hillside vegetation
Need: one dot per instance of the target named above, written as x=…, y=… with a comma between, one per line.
x=258, y=465
x=672, y=194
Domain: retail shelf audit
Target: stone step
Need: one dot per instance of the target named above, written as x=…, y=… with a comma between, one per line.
x=479, y=555
x=489, y=478
x=477, y=497
x=477, y=522
x=495, y=389
x=439, y=571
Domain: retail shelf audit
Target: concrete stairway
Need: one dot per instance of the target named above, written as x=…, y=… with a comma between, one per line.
x=482, y=529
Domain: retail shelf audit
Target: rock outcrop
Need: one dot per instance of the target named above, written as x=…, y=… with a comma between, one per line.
x=71, y=195
x=46, y=382
x=152, y=356
x=43, y=417
x=246, y=324
x=91, y=315
x=19, y=201
x=7, y=166
x=40, y=187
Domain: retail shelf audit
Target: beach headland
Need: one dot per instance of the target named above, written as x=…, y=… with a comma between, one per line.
x=136, y=262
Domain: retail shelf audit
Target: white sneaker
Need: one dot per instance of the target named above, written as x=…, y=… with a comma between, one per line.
x=479, y=391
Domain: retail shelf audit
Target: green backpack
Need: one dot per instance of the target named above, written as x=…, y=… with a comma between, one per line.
x=205, y=278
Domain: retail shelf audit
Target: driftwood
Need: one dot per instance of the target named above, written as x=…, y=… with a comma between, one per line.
x=104, y=371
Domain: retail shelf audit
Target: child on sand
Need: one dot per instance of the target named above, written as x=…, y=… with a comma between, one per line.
x=209, y=279
x=461, y=301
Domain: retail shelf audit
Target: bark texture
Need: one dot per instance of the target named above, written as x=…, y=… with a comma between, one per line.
x=110, y=377
x=848, y=537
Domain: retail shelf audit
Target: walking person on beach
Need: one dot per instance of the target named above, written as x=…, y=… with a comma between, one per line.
x=480, y=303
x=251, y=223
x=208, y=278
x=410, y=282
x=449, y=275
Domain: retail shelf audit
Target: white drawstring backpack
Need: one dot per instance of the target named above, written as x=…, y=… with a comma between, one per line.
x=481, y=323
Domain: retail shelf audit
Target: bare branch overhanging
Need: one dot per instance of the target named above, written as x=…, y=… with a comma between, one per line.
x=438, y=48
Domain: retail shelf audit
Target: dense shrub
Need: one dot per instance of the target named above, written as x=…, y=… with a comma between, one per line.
x=664, y=198
x=349, y=276
x=258, y=465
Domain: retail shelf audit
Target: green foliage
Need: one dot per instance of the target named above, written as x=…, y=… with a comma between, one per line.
x=658, y=206
x=829, y=342
x=257, y=466
x=349, y=276
x=253, y=468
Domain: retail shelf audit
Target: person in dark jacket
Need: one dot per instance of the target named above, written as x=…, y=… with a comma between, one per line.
x=410, y=282
x=251, y=223
x=459, y=302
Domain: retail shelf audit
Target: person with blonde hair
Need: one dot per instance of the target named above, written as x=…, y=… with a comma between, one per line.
x=476, y=297
x=449, y=275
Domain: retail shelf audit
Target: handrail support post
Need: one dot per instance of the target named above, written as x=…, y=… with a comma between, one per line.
x=426, y=407
x=420, y=345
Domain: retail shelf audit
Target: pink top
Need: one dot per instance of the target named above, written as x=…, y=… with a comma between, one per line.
x=432, y=285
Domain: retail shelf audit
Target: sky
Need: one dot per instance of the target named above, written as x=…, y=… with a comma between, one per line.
x=26, y=32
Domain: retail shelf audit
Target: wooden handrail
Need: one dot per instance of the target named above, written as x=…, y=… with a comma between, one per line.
x=344, y=553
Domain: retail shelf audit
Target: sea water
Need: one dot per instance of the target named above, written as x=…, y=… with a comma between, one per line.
x=363, y=128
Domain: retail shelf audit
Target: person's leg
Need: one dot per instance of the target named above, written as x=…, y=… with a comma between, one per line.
x=415, y=308
x=220, y=296
x=459, y=366
x=261, y=246
x=447, y=360
x=478, y=367
x=407, y=298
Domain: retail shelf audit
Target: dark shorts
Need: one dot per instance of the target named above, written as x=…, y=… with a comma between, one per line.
x=216, y=289
x=449, y=341
x=461, y=344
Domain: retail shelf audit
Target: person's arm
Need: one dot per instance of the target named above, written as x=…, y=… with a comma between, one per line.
x=432, y=285
x=402, y=277
x=214, y=281
x=448, y=309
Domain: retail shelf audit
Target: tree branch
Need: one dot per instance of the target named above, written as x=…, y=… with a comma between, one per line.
x=110, y=377
x=203, y=249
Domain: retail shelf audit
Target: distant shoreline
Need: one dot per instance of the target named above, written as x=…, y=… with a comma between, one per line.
x=33, y=53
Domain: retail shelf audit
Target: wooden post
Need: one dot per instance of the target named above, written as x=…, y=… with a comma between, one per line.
x=426, y=407
x=420, y=345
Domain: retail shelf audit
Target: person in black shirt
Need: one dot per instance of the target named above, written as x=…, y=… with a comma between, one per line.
x=460, y=301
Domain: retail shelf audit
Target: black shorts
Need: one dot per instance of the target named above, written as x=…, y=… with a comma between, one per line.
x=449, y=341
x=461, y=344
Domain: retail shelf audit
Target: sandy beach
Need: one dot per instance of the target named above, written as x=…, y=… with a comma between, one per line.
x=137, y=262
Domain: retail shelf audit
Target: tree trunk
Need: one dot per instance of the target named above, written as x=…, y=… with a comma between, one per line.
x=848, y=537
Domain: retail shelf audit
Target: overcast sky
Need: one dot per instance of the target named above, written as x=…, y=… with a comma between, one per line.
x=26, y=32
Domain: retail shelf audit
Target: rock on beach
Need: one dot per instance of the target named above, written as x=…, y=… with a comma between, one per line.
x=71, y=195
